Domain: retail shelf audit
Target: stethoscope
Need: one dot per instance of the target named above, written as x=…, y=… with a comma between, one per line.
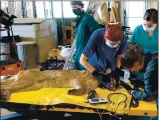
x=122, y=102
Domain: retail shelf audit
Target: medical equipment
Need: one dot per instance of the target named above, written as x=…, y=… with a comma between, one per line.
x=97, y=100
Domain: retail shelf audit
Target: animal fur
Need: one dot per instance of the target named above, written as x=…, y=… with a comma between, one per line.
x=30, y=80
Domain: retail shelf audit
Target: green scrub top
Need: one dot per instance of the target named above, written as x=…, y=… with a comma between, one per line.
x=141, y=37
x=85, y=25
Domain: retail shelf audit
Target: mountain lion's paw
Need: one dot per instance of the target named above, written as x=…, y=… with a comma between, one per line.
x=72, y=92
x=77, y=92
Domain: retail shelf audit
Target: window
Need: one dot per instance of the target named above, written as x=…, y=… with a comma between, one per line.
x=57, y=10
x=18, y=9
x=135, y=11
x=14, y=7
x=133, y=22
x=85, y=5
x=11, y=7
x=67, y=10
x=47, y=6
x=29, y=7
x=40, y=9
x=4, y=5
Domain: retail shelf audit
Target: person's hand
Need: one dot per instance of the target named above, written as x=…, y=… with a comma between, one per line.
x=126, y=86
x=96, y=73
x=100, y=75
x=117, y=72
x=106, y=80
x=137, y=83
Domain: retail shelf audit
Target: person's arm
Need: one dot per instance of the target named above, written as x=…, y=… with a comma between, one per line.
x=150, y=77
x=84, y=62
x=118, y=62
x=122, y=49
x=88, y=51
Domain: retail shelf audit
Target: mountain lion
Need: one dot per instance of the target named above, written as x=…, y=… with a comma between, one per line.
x=82, y=81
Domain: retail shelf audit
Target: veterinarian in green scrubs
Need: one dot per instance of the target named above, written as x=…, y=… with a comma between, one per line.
x=84, y=26
x=146, y=34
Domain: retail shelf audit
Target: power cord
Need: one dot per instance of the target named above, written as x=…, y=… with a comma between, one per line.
x=111, y=102
x=100, y=113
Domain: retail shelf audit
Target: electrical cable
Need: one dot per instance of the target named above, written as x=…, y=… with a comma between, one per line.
x=111, y=102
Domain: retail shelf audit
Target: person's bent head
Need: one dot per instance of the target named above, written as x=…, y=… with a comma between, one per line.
x=132, y=59
x=150, y=20
x=113, y=35
x=77, y=7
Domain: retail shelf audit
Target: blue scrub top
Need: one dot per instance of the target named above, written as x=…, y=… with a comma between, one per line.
x=101, y=56
x=141, y=37
x=150, y=79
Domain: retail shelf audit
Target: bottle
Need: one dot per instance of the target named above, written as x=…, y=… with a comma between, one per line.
x=126, y=76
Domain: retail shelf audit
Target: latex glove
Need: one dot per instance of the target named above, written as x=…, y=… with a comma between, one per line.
x=107, y=81
x=100, y=75
x=126, y=86
x=137, y=83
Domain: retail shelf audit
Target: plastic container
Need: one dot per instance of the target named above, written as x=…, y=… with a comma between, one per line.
x=27, y=52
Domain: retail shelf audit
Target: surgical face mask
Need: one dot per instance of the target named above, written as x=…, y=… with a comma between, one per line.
x=77, y=11
x=111, y=45
x=150, y=29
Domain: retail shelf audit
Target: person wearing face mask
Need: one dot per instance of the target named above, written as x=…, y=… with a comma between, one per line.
x=146, y=35
x=104, y=49
x=84, y=27
x=134, y=60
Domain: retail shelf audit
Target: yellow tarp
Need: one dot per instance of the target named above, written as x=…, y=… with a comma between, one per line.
x=53, y=96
